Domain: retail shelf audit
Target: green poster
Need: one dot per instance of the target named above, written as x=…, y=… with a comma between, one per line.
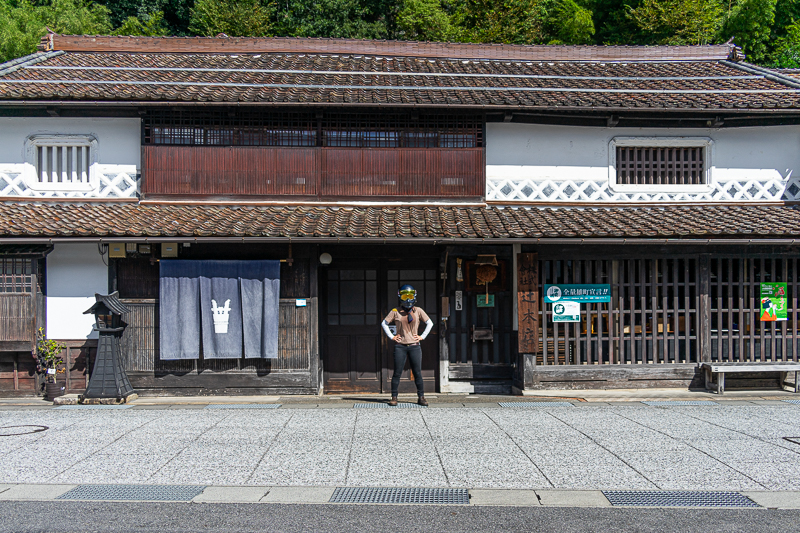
x=774, y=302
x=485, y=301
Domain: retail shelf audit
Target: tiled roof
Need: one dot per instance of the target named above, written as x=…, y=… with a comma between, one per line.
x=391, y=222
x=791, y=72
x=325, y=77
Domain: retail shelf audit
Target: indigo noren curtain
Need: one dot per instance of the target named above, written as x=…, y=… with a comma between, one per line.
x=231, y=305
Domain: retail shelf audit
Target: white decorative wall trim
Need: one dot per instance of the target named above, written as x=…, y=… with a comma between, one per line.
x=110, y=181
x=598, y=190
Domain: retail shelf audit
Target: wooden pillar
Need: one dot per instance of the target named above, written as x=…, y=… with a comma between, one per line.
x=704, y=295
x=527, y=316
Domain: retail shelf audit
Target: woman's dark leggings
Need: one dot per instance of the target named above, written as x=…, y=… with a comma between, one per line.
x=413, y=352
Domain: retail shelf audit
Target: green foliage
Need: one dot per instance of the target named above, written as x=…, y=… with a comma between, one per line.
x=23, y=23
x=566, y=22
x=767, y=30
x=153, y=25
x=48, y=355
x=235, y=18
x=353, y=19
x=423, y=20
x=677, y=22
x=499, y=21
x=614, y=25
x=787, y=12
x=787, y=48
x=749, y=23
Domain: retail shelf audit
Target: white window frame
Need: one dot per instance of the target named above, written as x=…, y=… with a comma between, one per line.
x=31, y=172
x=693, y=142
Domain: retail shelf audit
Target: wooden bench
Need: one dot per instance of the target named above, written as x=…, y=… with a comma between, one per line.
x=784, y=367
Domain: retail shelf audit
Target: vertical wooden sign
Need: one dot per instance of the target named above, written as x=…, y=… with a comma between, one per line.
x=528, y=302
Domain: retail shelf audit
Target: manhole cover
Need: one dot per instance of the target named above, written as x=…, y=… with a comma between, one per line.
x=535, y=404
x=677, y=498
x=796, y=402
x=12, y=431
x=381, y=405
x=90, y=407
x=172, y=493
x=399, y=495
x=680, y=402
x=243, y=406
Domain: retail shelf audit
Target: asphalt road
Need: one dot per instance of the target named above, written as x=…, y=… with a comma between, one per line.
x=89, y=517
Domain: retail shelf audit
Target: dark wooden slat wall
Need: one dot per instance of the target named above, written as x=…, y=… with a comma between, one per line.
x=313, y=172
x=295, y=342
x=652, y=318
x=17, y=373
x=483, y=353
x=736, y=332
x=17, y=317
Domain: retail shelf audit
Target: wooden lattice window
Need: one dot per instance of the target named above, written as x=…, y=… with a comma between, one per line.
x=61, y=162
x=229, y=128
x=659, y=162
x=16, y=275
x=377, y=129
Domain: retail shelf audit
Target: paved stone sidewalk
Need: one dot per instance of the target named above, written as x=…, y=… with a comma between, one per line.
x=731, y=446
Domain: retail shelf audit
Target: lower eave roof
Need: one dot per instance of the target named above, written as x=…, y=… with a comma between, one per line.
x=107, y=220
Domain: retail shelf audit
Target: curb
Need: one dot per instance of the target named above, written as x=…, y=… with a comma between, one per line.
x=322, y=495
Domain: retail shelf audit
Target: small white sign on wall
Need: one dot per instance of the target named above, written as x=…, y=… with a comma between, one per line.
x=300, y=302
x=566, y=312
x=459, y=301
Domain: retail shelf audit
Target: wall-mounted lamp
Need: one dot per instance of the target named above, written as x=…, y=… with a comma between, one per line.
x=325, y=259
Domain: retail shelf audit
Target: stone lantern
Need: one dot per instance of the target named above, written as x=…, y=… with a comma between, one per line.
x=108, y=380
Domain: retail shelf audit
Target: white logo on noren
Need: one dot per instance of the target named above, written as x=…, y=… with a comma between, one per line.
x=221, y=316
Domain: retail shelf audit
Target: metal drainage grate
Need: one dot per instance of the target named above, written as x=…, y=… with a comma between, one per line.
x=172, y=493
x=399, y=495
x=81, y=407
x=680, y=402
x=796, y=402
x=678, y=498
x=535, y=404
x=381, y=405
x=243, y=406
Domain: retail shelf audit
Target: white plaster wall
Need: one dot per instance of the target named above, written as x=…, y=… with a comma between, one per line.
x=75, y=272
x=530, y=152
x=118, y=139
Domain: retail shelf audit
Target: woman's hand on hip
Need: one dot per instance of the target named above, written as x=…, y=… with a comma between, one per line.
x=396, y=338
x=417, y=337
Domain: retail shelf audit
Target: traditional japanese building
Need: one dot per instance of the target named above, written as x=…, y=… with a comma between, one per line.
x=660, y=178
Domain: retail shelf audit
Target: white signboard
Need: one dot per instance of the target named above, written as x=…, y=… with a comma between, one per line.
x=459, y=301
x=566, y=312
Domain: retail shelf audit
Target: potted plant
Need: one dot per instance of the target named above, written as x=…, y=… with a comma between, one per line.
x=48, y=359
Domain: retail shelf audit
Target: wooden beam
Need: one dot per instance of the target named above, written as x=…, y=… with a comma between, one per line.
x=527, y=315
x=705, y=308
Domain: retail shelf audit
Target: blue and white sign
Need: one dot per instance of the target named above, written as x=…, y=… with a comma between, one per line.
x=597, y=293
x=566, y=312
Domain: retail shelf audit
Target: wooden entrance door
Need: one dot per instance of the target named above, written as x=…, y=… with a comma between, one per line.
x=352, y=339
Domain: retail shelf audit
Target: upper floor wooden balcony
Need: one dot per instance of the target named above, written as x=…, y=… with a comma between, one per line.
x=313, y=155
x=313, y=172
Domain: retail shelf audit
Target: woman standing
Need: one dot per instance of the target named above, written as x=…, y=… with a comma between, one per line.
x=407, y=321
